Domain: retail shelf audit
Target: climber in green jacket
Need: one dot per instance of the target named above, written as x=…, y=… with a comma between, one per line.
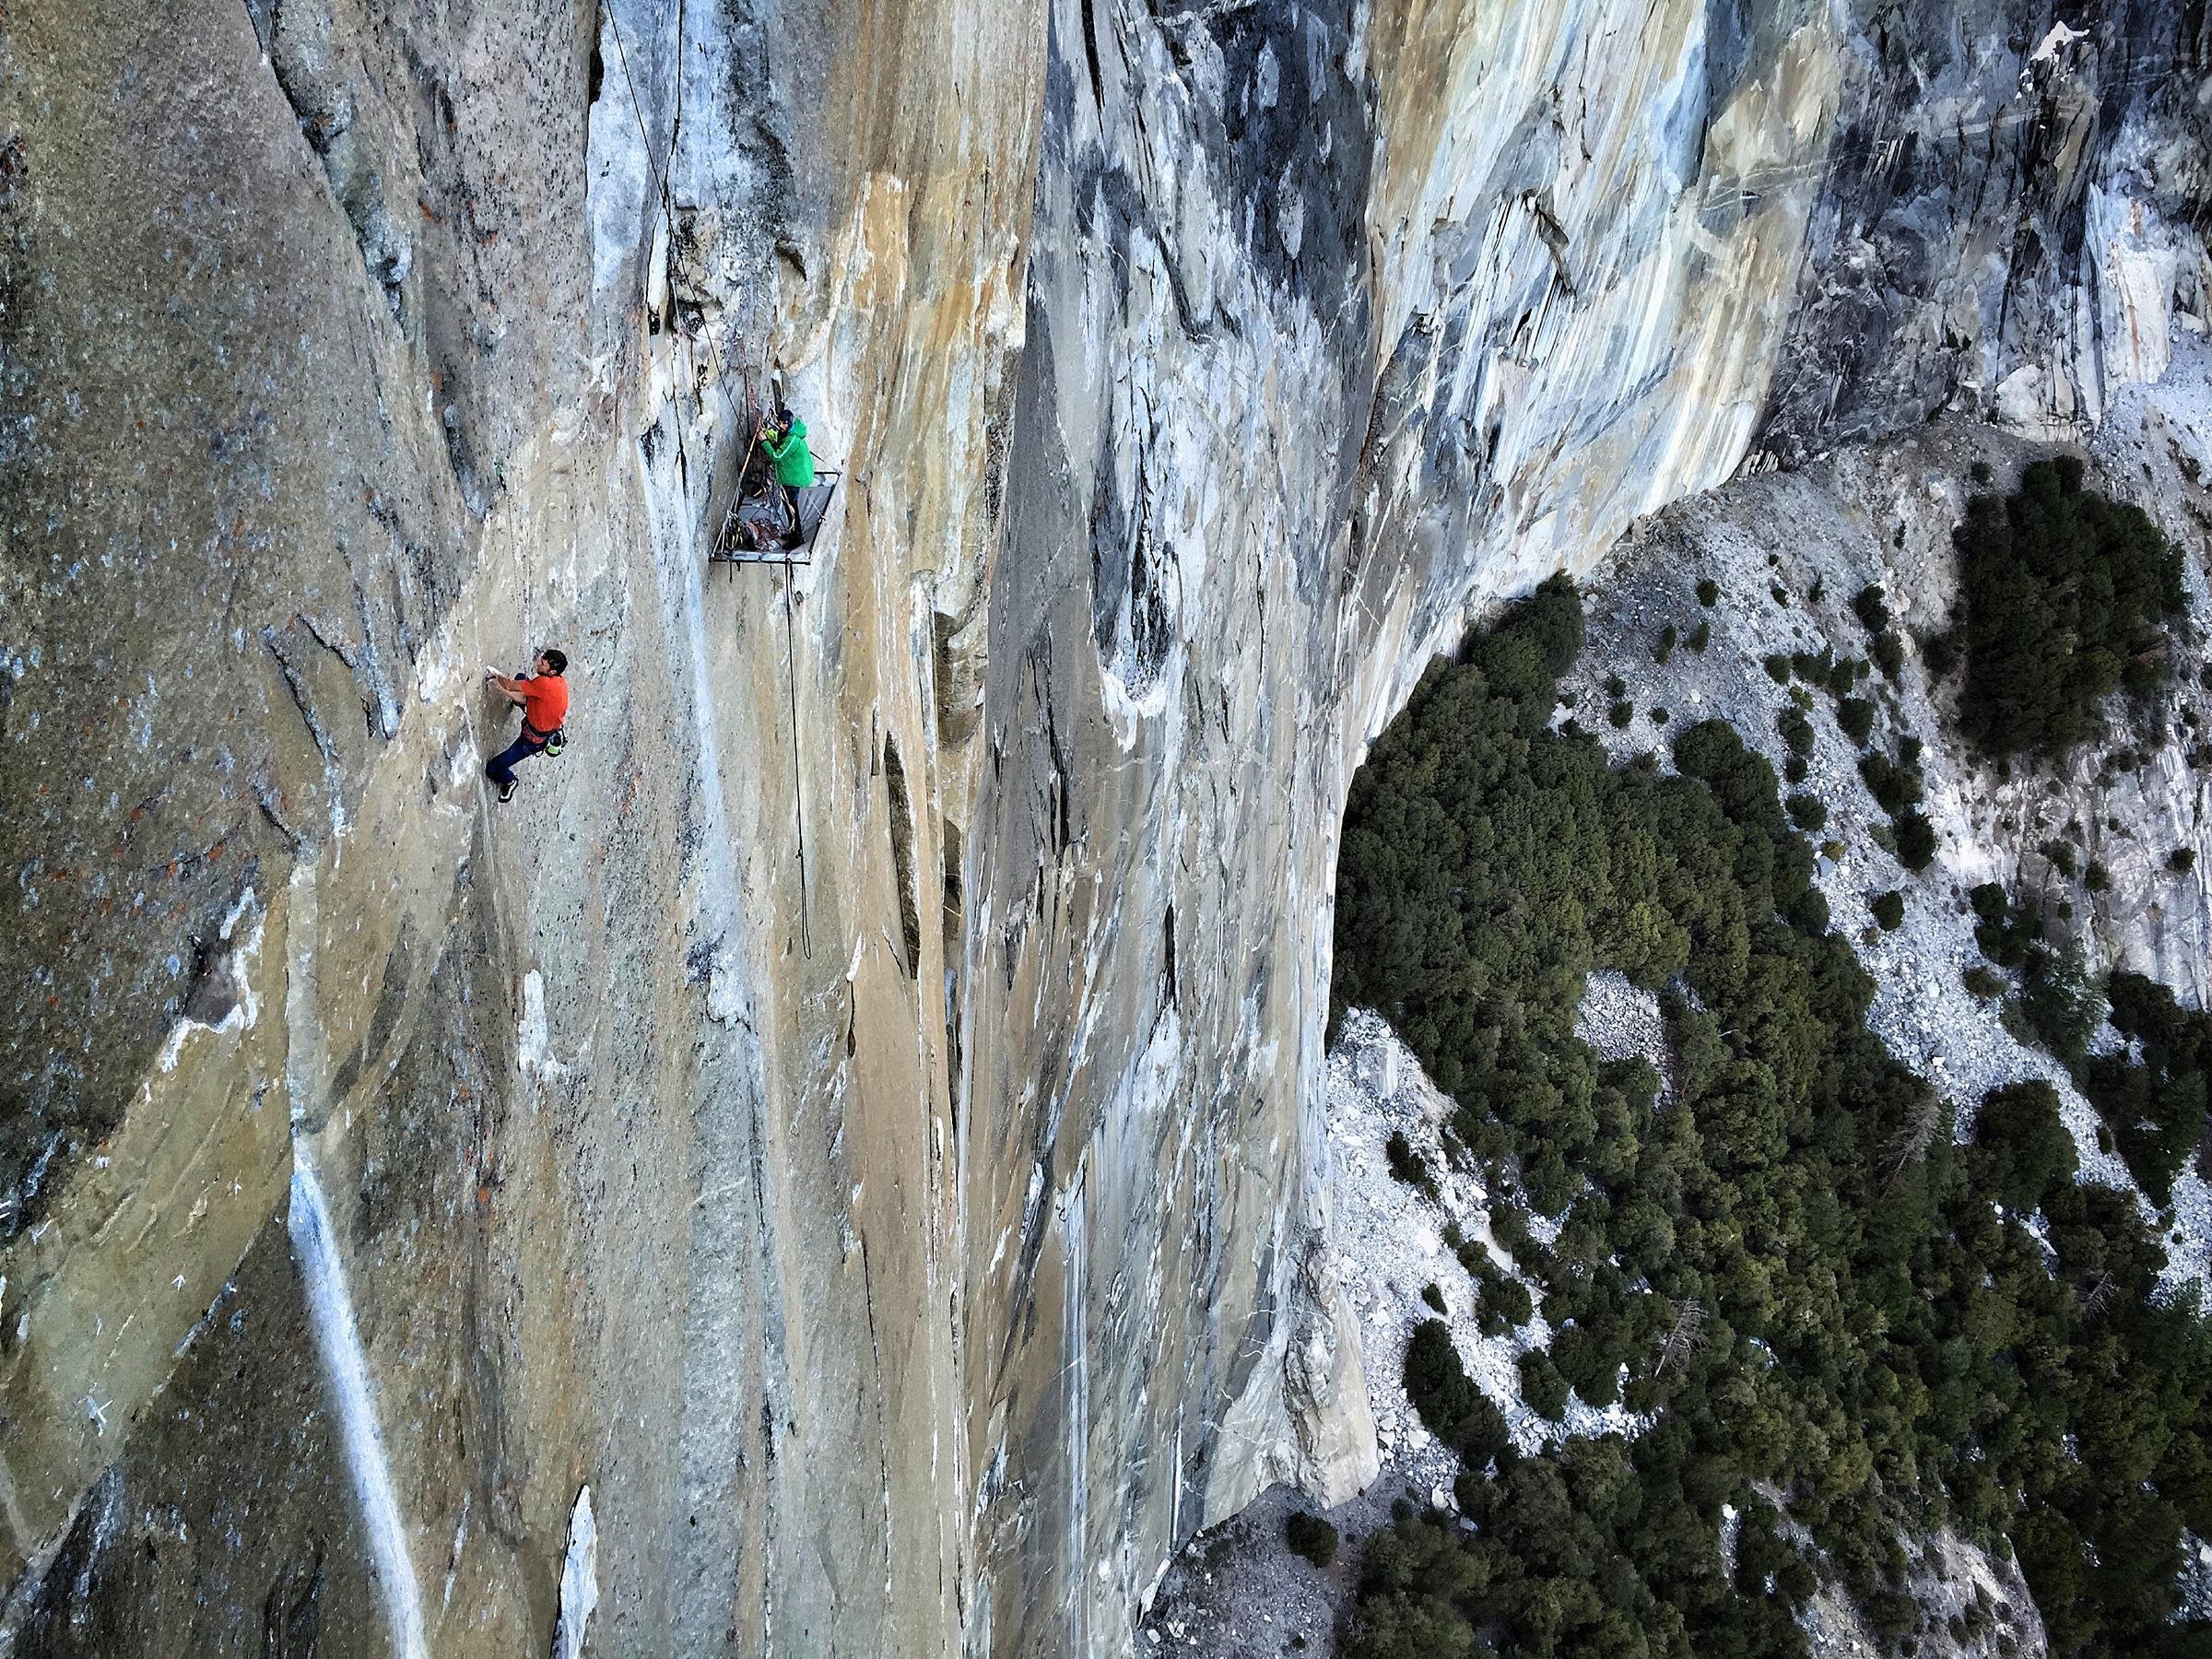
x=784, y=439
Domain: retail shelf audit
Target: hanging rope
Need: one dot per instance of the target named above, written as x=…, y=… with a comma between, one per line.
x=798, y=791
x=722, y=380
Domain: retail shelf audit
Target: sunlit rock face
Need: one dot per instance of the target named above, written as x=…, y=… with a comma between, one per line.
x=347, y=354
x=858, y=1110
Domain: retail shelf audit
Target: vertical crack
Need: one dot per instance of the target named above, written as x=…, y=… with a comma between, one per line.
x=902, y=855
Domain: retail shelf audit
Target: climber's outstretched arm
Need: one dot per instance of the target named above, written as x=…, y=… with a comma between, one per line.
x=511, y=687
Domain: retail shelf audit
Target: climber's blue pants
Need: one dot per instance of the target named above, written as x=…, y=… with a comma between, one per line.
x=500, y=768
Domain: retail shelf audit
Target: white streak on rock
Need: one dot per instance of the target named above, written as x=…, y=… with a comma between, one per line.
x=579, y=1580
x=532, y=1035
x=2057, y=41
x=330, y=1308
x=247, y=1009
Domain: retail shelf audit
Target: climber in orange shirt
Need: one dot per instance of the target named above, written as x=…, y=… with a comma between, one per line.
x=544, y=698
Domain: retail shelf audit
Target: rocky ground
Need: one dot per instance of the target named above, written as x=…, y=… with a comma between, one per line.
x=1237, y=1590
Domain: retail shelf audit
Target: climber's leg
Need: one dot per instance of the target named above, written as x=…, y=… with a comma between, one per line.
x=500, y=768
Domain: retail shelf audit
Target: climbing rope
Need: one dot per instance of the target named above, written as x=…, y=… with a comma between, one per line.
x=529, y=627
x=721, y=381
x=798, y=792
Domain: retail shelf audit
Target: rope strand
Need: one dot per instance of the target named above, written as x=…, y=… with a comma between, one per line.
x=798, y=790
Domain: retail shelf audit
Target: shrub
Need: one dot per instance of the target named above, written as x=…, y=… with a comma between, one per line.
x=1984, y=982
x=1311, y=1536
x=1701, y=636
x=2097, y=878
x=1870, y=605
x=1915, y=840
x=2154, y=1107
x=1708, y=591
x=1796, y=731
x=1979, y=472
x=1855, y=716
x=2066, y=595
x=2181, y=859
x=1438, y=1383
x=1888, y=653
x=1842, y=677
x=2025, y=1146
x=1504, y=1302
x=2061, y=1004
x=1806, y=812
x=1794, y=769
x=1409, y=1166
x=2062, y=858
x=1888, y=910
x=1622, y=715
x=1542, y=1389
x=1666, y=648
x=1777, y=667
x=1434, y=1297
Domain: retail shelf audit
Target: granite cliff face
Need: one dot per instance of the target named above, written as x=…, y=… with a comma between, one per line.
x=858, y=1110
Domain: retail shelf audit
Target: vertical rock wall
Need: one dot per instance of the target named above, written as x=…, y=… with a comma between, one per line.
x=858, y=1109
x=2011, y=224
x=348, y=352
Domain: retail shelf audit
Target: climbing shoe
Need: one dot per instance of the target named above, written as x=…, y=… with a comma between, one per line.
x=507, y=792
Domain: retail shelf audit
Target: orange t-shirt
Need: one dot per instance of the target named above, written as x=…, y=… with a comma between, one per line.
x=545, y=703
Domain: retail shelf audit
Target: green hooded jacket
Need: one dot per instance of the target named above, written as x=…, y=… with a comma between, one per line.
x=795, y=461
